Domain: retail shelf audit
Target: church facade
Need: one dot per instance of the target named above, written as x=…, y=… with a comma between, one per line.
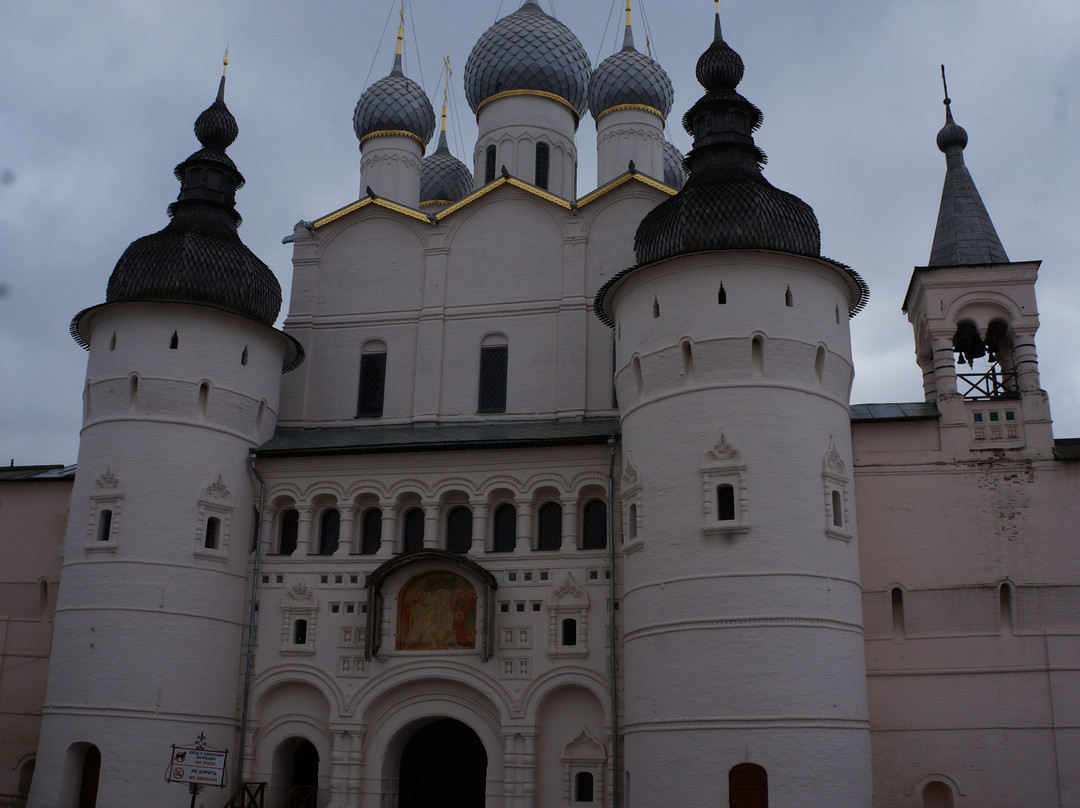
x=538, y=500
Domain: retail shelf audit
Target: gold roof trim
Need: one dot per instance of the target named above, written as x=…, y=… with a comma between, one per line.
x=539, y=93
x=639, y=107
x=389, y=132
x=361, y=203
x=622, y=179
x=497, y=183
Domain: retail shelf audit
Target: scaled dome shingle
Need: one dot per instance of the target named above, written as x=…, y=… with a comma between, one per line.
x=630, y=77
x=394, y=103
x=528, y=50
x=443, y=177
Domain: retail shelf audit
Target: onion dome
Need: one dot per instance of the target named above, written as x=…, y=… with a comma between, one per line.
x=674, y=173
x=198, y=257
x=443, y=178
x=726, y=203
x=964, y=235
x=630, y=79
x=394, y=105
x=528, y=51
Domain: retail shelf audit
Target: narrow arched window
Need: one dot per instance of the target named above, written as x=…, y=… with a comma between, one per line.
x=174, y=343
x=329, y=531
x=244, y=356
x=748, y=786
x=583, y=787
x=372, y=390
x=757, y=355
x=210, y=536
x=493, y=365
x=789, y=300
x=459, y=530
x=300, y=632
x=371, y=531
x=412, y=532
x=725, y=502
x=937, y=794
x=837, y=510
x=655, y=307
x=505, y=529
x=543, y=164
x=489, y=164
x=721, y=296
x=569, y=631
x=594, y=525
x=631, y=519
x=290, y=525
x=549, y=526
x=897, y=597
x=1005, y=607
x=112, y=342
x=105, y=526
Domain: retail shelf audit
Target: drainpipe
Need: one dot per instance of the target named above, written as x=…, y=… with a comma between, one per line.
x=251, y=624
x=612, y=634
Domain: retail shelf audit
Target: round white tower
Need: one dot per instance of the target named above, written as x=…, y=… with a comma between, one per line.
x=394, y=121
x=742, y=628
x=527, y=79
x=182, y=381
x=630, y=96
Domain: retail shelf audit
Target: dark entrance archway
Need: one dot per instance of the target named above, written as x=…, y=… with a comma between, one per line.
x=443, y=764
x=748, y=786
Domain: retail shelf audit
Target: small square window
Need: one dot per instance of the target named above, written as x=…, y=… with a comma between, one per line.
x=511, y=576
x=1010, y=415
x=607, y=575
x=324, y=579
x=350, y=608
x=536, y=606
x=978, y=417
x=520, y=606
x=594, y=575
x=504, y=608
x=528, y=576
x=354, y=579
x=335, y=608
x=363, y=608
x=279, y=579
x=337, y=579
x=544, y=575
x=994, y=416
x=266, y=579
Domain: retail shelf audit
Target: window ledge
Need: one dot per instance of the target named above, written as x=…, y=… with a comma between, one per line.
x=101, y=547
x=726, y=528
x=837, y=533
x=212, y=555
x=298, y=650
x=633, y=546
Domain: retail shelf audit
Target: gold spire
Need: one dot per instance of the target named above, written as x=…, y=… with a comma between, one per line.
x=225, y=61
x=401, y=27
x=445, y=92
x=627, y=13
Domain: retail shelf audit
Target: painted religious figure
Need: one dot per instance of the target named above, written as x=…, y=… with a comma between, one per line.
x=436, y=611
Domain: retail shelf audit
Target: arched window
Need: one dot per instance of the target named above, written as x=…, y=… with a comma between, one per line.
x=748, y=786
x=789, y=301
x=837, y=509
x=459, y=530
x=543, y=164
x=290, y=525
x=583, y=787
x=300, y=632
x=329, y=531
x=721, y=296
x=369, y=399
x=492, y=381
x=504, y=529
x=569, y=631
x=105, y=526
x=1005, y=606
x=725, y=502
x=26, y=775
x=174, y=343
x=549, y=526
x=897, y=597
x=412, y=533
x=489, y=164
x=631, y=520
x=371, y=531
x=937, y=794
x=594, y=525
x=213, y=530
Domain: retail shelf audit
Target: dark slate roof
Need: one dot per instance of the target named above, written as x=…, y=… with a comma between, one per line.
x=394, y=103
x=528, y=50
x=964, y=235
x=199, y=257
x=1067, y=449
x=443, y=177
x=37, y=473
x=437, y=437
x=674, y=173
x=726, y=204
x=909, y=411
x=630, y=77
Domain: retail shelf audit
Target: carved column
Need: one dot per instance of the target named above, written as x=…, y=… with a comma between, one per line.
x=524, y=525
x=431, y=525
x=303, y=530
x=479, y=526
x=569, y=524
x=389, y=533
x=348, y=536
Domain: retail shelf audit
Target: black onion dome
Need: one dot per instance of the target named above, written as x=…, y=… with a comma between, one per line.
x=674, y=173
x=528, y=50
x=198, y=257
x=395, y=103
x=630, y=77
x=443, y=177
x=726, y=203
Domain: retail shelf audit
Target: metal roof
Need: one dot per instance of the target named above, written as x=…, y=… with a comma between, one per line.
x=437, y=437
x=1067, y=448
x=909, y=411
x=37, y=473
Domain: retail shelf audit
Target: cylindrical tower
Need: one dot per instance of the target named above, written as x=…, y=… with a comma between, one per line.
x=742, y=628
x=527, y=80
x=630, y=96
x=182, y=382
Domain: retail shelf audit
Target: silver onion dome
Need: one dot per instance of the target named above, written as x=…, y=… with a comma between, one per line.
x=528, y=50
x=395, y=103
x=443, y=177
x=630, y=78
x=674, y=173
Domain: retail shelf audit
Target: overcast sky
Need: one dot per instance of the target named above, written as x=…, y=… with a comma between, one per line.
x=98, y=98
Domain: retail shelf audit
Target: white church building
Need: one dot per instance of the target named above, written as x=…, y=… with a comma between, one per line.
x=546, y=501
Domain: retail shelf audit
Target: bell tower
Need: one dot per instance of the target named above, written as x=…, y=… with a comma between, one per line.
x=975, y=317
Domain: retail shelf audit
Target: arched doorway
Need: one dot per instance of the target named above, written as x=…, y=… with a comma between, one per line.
x=296, y=774
x=91, y=773
x=444, y=764
x=748, y=786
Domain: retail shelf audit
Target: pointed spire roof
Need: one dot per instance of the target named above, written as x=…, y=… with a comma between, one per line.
x=199, y=257
x=964, y=235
